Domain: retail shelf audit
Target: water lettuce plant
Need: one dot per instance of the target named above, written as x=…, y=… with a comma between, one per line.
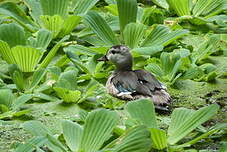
x=49, y=70
x=141, y=134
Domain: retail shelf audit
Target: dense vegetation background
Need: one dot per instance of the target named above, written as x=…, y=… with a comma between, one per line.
x=52, y=94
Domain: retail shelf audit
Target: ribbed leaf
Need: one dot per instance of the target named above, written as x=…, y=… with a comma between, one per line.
x=181, y=7
x=69, y=24
x=55, y=145
x=42, y=39
x=135, y=139
x=52, y=53
x=72, y=134
x=6, y=97
x=111, y=1
x=101, y=28
x=75, y=59
x=35, y=9
x=31, y=144
x=143, y=111
x=127, y=10
x=26, y=57
x=170, y=63
x=178, y=117
x=196, y=119
x=161, y=3
x=15, y=12
x=55, y=7
x=158, y=138
x=83, y=6
x=6, y=53
x=97, y=129
x=155, y=69
x=36, y=128
x=147, y=50
x=17, y=77
x=161, y=35
x=13, y=34
x=205, y=49
x=37, y=77
x=133, y=34
x=52, y=23
x=208, y=7
x=21, y=100
x=68, y=95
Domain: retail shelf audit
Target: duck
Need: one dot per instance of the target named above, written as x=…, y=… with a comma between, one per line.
x=128, y=84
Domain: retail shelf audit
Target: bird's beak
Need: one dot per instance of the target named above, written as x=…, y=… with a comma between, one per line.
x=103, y=58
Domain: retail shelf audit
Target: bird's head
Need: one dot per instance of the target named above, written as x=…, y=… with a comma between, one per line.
x=120, y=56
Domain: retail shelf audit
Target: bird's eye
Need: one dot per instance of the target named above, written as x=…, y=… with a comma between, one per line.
x=113, y=51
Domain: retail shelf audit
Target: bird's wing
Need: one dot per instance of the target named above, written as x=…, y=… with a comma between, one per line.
x=128, y=82
x=147, y=79
x=125, y=81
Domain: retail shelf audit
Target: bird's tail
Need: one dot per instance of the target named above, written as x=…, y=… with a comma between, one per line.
x=161, y=97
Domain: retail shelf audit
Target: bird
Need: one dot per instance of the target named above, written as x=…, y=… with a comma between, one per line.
x=128, y=84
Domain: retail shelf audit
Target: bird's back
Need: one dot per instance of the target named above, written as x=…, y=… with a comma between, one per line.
x=131, y=85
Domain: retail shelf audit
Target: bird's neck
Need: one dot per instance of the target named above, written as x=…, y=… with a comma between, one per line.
x=127, y=66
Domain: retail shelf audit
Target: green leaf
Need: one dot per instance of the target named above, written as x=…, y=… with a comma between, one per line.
x=135, y=139
x=21, y=100
x=83, y=6
x=143, y=111
x=178, y=117
x=190, y=123
x=7, y=31
x=127, y=10
x=68, y=79
x=133, y=34
x=35, y=9
x=155, y=69
x=21, y=113
x=72, y=134
x=211, y=131
x=98, y=127
x=75, y=59
x=42, y=39
x=44, y=97
x=111, y=1
x=208, y=7
x=26, y=57
x=55, y=145
x=161, y=35
x=168, y=61
x=52, y=53
x=16, y=13
x=69, y=24
x=55, y=7
x=193, y=73
x=6, y=52
x=31, y=144
x=112, y=8
x=52, y=23
x=68, y=95
x=151, y=50
x=6, y=97
x=101, y=28
x=36, y=128
x=181, y=7
x=37, y=77
x=17, y=77
x=158, y=138
x=161, y=3
x=205, y=49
